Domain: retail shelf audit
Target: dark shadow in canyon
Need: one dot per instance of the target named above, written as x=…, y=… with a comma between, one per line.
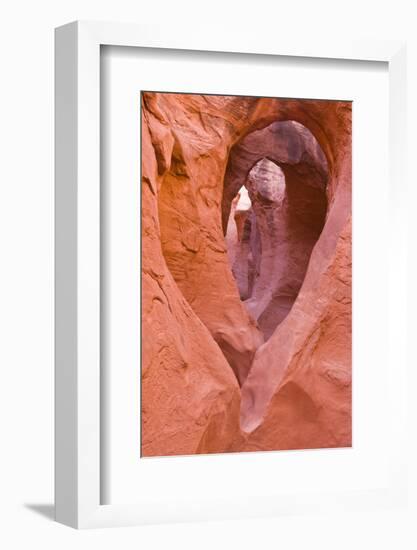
x=273, y=211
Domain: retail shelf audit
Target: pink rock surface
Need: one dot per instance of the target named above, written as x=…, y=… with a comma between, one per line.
x=289, y=202
x=240, y=233
x=307, y=402
x=198, y=338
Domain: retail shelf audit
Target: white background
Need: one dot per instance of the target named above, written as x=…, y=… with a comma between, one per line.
x=26, y=274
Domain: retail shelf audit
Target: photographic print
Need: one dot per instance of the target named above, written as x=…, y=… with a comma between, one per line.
x=246, y=272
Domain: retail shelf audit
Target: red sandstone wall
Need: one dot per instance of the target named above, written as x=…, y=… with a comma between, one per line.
x=198, y=338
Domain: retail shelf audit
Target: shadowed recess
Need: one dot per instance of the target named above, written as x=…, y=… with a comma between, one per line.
x=275, y=218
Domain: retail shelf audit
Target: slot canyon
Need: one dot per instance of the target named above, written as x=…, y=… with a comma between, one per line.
x=246, y=274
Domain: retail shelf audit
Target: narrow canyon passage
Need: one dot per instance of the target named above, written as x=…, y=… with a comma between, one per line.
x=246, y=274
x=278, y=176
x=275, y=218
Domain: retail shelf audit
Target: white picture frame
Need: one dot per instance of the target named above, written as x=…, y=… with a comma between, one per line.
x=77, y=422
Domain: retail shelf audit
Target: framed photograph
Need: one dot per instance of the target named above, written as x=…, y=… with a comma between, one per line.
x=230, y=280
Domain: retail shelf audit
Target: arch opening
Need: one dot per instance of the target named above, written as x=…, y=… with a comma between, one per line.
x=275, y=197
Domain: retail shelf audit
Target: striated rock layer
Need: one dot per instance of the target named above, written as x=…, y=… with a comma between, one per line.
x=199, y=341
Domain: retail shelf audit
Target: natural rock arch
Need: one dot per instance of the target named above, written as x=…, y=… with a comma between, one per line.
x=289, y=144
x=196, y=134
x=288, y=225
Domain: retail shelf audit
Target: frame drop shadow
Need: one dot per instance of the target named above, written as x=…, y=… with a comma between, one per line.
x=45, y=510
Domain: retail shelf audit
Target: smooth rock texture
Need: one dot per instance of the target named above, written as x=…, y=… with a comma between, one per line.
x=285, y=171
x=240, y=242
x=199, y=342
x=307, y=403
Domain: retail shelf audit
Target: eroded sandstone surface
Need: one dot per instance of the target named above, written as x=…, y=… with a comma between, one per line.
x=218, y=374
x=285, y=173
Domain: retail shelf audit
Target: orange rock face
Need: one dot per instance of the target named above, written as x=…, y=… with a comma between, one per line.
x=220, y=374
